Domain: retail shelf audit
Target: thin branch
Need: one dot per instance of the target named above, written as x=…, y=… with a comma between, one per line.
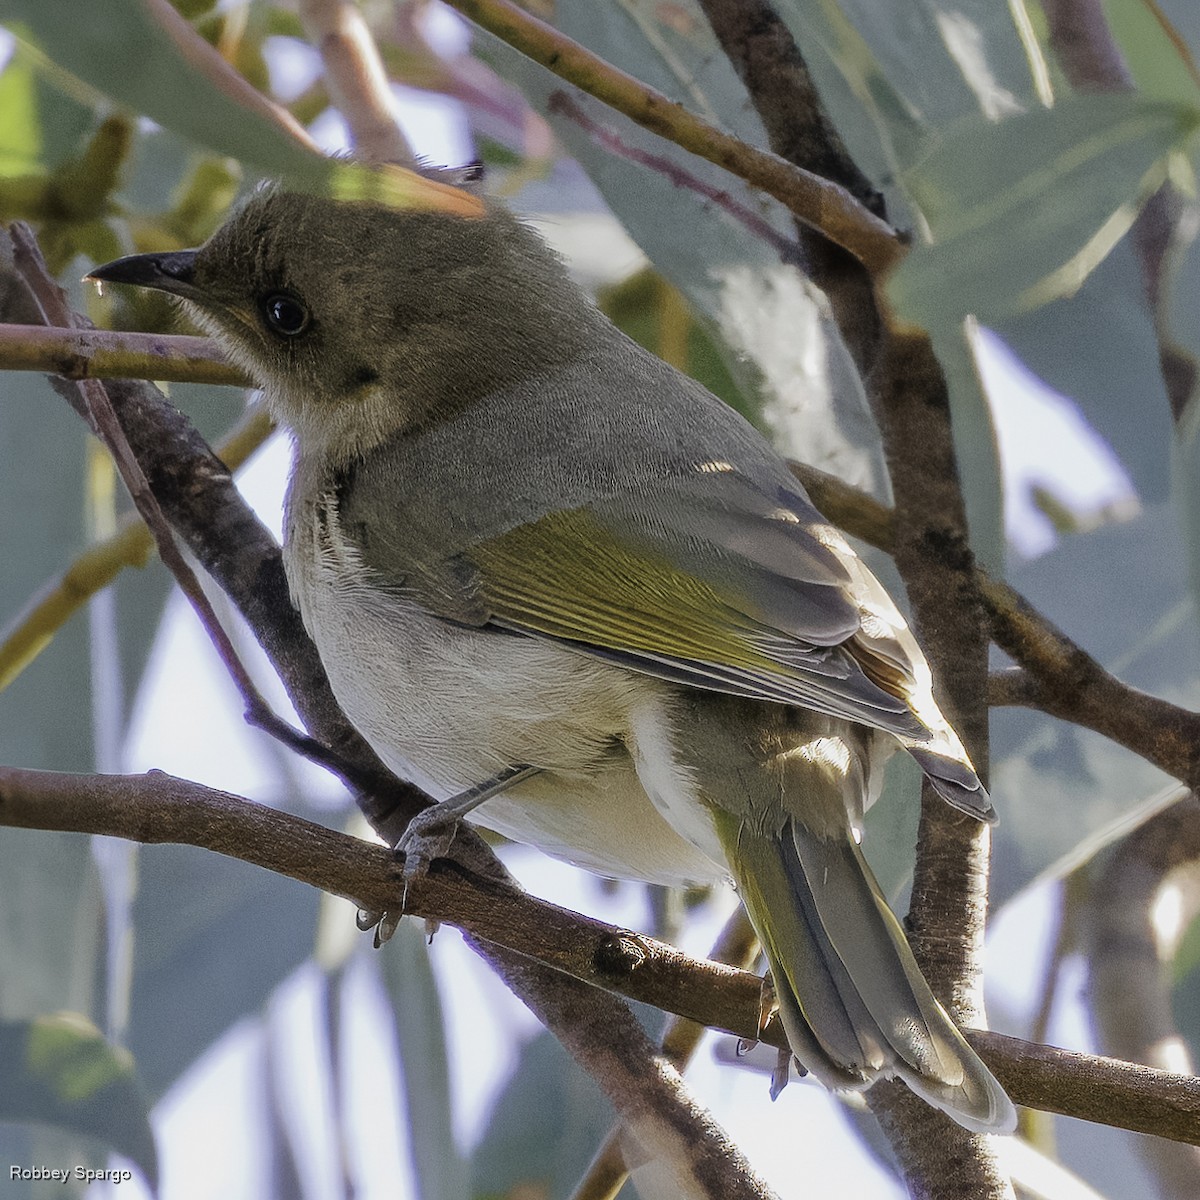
x=1063, y=680
x=32, y=630
x=659, y=1115
x=1058, y=677
x=1011, y=687
x=105, y=354
x=825, y=206
x=767, y=60
x=910, y=396
x=157, y=808
x=99, y=413
x=736, y=946
x=947, y=913
x=209, y=62
x=356, y=79
x=770, y=64
x=1129, y=952
x=1086, y=50
x=196, y=490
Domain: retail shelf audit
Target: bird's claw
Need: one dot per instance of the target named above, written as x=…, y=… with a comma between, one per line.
x=384, y=923
x=429, y=835
x=781, y=1073
x=768, y=1005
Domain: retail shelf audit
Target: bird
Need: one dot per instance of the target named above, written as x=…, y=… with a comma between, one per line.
x=563, y=588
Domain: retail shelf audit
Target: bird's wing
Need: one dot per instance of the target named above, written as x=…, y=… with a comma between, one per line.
x=707, y=581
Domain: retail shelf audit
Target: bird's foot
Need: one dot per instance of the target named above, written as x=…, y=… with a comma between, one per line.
x=429, y=835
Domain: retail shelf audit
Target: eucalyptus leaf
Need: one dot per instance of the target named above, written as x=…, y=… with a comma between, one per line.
x=542, y=1130
x=21, y=148
x=1185, y=996
x=1021, y=210
x=1186, y=961
x=889, y=75
x=441, y=1172
x=214, y=937
x=121, y=50
x=49, y=895
x=1058, y=786
x=880, y=125
x=946, y=60
x=1100, y=349
x=1186, y=490
x=1183, y=21
x=672, y=50
x=1160, y=67
x=59, y=1071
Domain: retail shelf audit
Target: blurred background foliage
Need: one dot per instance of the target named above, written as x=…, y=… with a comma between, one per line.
x=1019, y=190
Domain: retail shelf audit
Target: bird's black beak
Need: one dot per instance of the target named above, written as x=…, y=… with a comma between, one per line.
x=171, y=272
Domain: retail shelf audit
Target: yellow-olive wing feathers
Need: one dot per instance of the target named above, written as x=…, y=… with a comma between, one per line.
x=706, y=580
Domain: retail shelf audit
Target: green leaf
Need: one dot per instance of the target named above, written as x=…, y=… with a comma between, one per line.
x=920, y=65
x=408, y=978
x=671, y=49
x=1058, y=788
x=543, y=1129
x=878, y=122
x=1162, y=67
x=49, y=893
x=121, y=50
x=1187, y=952
x=1100, y=349
x=976, y=448
x=20, y=129
x=1020, y=211
x=58, y=1070
x=214, y=937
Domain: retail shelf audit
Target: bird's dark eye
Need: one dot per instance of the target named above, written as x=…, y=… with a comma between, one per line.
x=286, y=314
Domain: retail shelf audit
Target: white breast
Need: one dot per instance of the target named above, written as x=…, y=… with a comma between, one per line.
x=449, y=707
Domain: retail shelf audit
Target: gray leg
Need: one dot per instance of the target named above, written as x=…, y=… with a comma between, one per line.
x=431, y=832
x=429, y=835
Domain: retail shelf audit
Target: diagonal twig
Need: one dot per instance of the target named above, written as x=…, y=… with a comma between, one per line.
x=356, y=79
x=32, y=629
x=736, y=946
x=93, y=403
x=824, y=205
x=222, y=75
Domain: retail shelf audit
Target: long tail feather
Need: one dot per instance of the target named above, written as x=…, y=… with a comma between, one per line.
x=852, y=999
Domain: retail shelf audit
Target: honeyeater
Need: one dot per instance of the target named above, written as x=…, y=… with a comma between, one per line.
x=543, y=567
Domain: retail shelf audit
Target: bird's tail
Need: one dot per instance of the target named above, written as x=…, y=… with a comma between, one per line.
x=853, y=1001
